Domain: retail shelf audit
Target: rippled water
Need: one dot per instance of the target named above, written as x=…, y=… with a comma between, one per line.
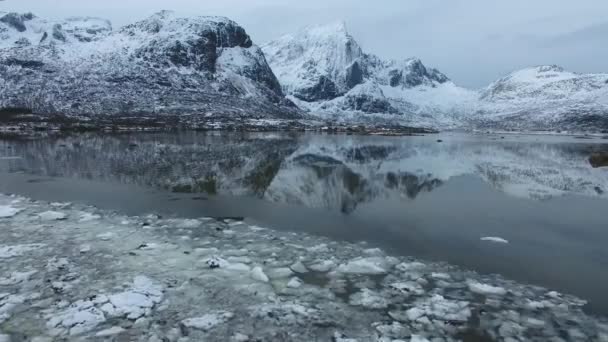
x=411, y=195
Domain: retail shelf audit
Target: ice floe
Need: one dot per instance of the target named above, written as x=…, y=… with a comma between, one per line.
x=371, y=265
x=208, y=321
x=52, y=215
x=251, y=284
x=494, y=239
x=485, y=289
x=8, y=211
x=18, y=250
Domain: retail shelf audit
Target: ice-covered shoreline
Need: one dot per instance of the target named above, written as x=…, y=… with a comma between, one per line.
x=74, y=272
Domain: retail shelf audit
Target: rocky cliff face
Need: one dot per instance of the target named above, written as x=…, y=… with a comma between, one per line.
x=161, y=65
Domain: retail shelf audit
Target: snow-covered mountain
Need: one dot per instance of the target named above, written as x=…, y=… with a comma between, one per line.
x=546, y=97
x=161, y=65
x=325, y=71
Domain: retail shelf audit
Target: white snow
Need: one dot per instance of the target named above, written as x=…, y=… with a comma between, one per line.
x=137, y=301
x=544, y=94
x=78, y=318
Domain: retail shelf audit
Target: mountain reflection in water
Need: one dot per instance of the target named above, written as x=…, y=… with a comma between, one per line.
x=333, y=172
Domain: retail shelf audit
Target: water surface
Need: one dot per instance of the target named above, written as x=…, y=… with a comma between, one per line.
x=410, y=195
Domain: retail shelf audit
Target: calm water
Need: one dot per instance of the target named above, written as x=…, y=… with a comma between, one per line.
x=411, y=195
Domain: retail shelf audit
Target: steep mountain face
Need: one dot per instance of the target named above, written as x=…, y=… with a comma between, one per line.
x=546, y=97
x=161, y=65
x=325, y=71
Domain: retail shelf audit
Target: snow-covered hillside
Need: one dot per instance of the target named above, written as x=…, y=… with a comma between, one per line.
x=161, y=65
x=547, y=97
x=324, y=71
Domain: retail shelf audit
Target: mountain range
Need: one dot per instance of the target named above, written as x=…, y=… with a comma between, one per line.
x=324, y=70
x=161, y=65
x=210, y=67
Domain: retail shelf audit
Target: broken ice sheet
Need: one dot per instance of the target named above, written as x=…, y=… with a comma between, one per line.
x=256, y=282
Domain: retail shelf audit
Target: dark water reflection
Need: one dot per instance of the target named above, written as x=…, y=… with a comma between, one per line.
x=412, y=196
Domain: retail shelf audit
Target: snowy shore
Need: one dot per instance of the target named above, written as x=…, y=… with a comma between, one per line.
x=73, y=272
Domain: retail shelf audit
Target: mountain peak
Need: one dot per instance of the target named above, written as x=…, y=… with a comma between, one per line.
x=332, y=28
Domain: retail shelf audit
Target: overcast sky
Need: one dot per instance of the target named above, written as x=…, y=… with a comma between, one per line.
x=472, y=41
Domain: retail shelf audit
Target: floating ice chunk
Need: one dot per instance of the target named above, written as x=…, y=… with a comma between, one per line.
x=418, y=338
x=494, y=239
x=110, y=332
x=257, y=228
x=87, y=217
x=216, y=262
x=78, y=318
x=510, y=329
x=106, y=236
x=414, y=313
x=258, y=274
x=485, y=289
x=440, y=308
x=534, y=323
x=85, y=248
x=411, y=266
x=206, y=251
x=239, y=259
x=323, y=266
x=208, y=321
x=16, y=278
x=440, y=276
x=298, y=267
x=5, y=338
x=371, y=265
x=187, y=223
x=52, y=216
x=408, y=288
x=18, y=250
x=55, y=264
x=393, y=330
x=320, y=248
x=339, y=337
x=8, y=211
x=377, y=252
x=238, y=267
x=238, y=337
x=135, y=302
x=281, y=272
x=369, y=299
x=294, y=283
